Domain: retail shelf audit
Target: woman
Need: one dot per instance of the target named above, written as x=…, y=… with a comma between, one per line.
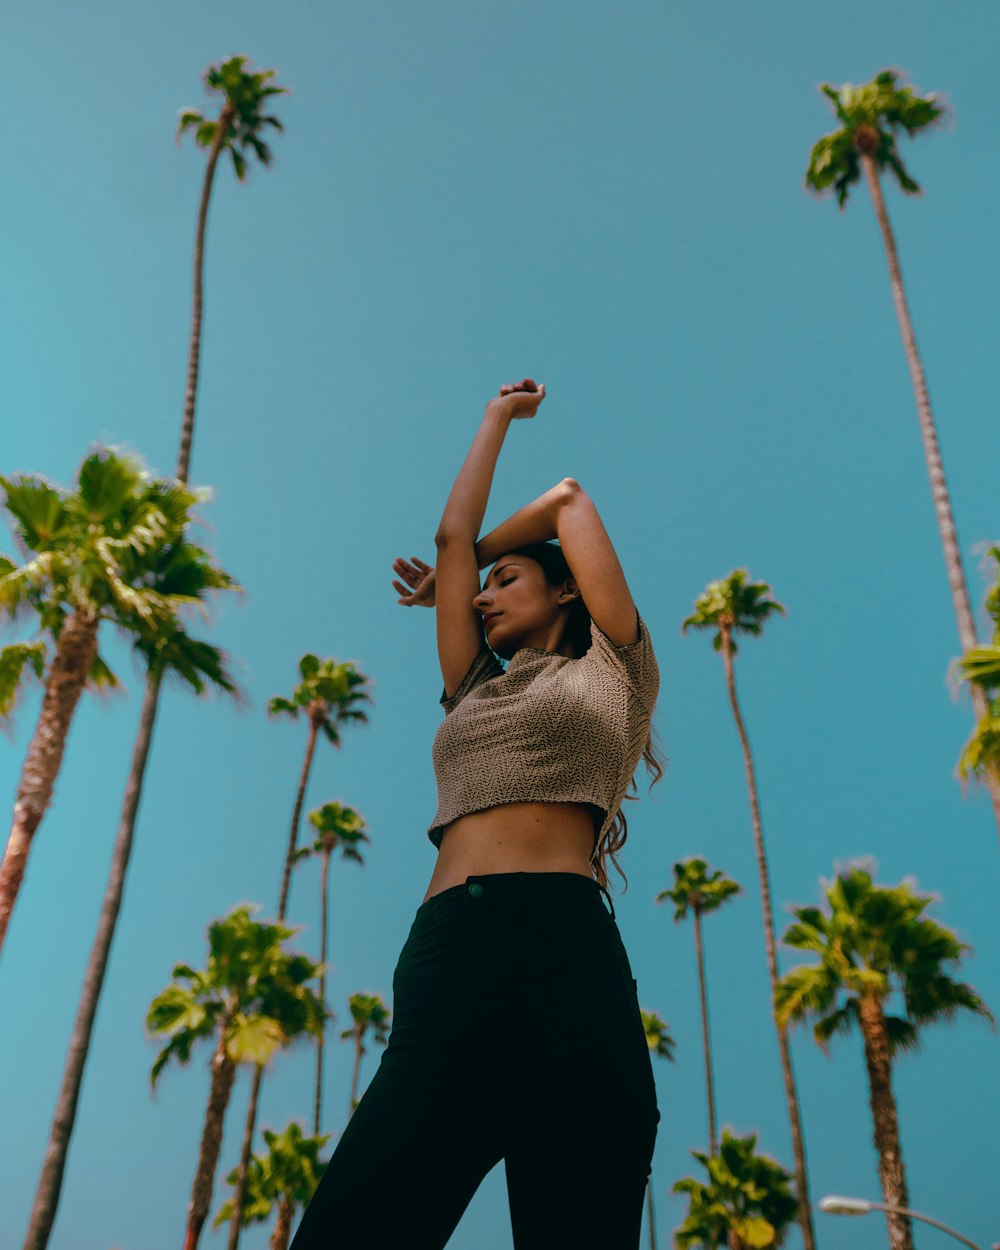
x=517, y=1033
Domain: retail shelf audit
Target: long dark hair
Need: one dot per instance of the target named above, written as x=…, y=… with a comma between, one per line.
x=577, y=632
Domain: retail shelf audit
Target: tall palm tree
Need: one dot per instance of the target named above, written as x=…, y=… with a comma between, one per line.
x=745, y=1203
x=875, y=942
x=980, y=666
x=169, y=654
x=871, y=116
x=286, y=1177
x=698, y=891
x=661, y=1043
x=368, y=1012
x=250, y=999
x=239, y=128
x=343, y=827
x=735, y=606
x=328, y=694
x=88, y=557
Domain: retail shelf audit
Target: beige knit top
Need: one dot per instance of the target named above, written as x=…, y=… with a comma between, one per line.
x=546, y=729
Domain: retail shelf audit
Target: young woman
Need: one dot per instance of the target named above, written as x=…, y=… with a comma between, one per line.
x=516, y=1032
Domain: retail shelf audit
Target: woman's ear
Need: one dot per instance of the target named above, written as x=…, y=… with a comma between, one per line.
x=570, y=589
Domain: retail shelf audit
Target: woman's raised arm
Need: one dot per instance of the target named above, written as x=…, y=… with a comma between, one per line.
x=459, y=625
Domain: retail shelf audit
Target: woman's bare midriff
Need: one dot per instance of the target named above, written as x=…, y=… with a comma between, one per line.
x=516, y=837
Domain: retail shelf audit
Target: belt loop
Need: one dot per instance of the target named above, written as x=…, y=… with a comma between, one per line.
x=608, y=897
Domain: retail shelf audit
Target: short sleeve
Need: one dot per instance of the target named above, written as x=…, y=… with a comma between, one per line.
x=483, y=667
x=634, y=662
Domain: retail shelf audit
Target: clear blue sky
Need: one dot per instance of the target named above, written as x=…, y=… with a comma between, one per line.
x=608, y=198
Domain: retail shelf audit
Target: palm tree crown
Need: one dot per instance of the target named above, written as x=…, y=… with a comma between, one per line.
x=111, y=548
x=732, y=605
x=697, y=890
x=870, y=117
x=327, y=693
x=746, y=1201
x=251, y=989
x=241, y=115
x=874, y=942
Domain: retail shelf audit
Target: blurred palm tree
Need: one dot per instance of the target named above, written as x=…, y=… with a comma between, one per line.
x=368, y=1012
x=661, y=1043
x=698, y=891
x=250, y=999
x=871, y=116
x=736, y=606
x=337, y=827
x=286, y=1178
x=91, y=554
x=980, y=666
x=873, y=943
x=239, y=128
x=328, y=694
x=169, y=654
x=745, y=1203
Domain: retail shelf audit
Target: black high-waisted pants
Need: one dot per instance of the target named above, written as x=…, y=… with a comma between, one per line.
x=517, y=1036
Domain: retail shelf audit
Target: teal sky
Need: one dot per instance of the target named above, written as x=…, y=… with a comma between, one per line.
x=608, y=199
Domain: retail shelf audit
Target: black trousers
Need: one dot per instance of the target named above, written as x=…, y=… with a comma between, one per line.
x=516, y=1035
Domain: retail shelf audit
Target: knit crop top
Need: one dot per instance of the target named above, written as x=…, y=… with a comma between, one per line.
x=547, y=728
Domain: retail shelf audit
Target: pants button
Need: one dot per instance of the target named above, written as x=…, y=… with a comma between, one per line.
x=475, y=889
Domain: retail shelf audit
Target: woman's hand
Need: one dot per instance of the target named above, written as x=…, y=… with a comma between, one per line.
x=518, y=399
x=418, y=576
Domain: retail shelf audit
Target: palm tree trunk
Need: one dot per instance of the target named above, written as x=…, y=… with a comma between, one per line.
x=322, y=995
x=235, y=1222
x=75, y=653
x=223, y=1074
x=932, y=452
x=293, y=834
x=770, y=946
x=50, y=1183
x=224, y=126
x=239, y=1189
x=652, y=1217
x=283, y=1226
x=883, y=1103
x=357, y=1068
x=709, y=1085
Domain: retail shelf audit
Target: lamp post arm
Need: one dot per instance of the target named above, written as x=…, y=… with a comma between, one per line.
x=915, y=1215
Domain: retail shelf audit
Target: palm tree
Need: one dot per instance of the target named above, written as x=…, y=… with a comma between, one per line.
x=286, y=1176
x=733, y=606
x=250, y=999
x=698, y=891
x=745, y=1203
x=875, y=942
x=89, y=553
x=239, y=127
x=368, y=1012
x=328, y=694
x=980, y=666
x=169, y=654
x=660, y=1043
x=343, y=827
x=871, y=117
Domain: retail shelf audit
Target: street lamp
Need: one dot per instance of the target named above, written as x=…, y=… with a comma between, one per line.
x=834, y=1204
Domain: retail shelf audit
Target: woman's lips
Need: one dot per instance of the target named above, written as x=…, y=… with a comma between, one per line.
x=492, y=616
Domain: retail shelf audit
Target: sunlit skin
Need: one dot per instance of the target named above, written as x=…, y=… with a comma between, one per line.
x=520, y=837
x=511, y=837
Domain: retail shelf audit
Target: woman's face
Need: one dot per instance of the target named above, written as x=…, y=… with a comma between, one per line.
x=518, y=606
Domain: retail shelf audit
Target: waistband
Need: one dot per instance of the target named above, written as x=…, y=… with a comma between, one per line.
x=518, y=885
